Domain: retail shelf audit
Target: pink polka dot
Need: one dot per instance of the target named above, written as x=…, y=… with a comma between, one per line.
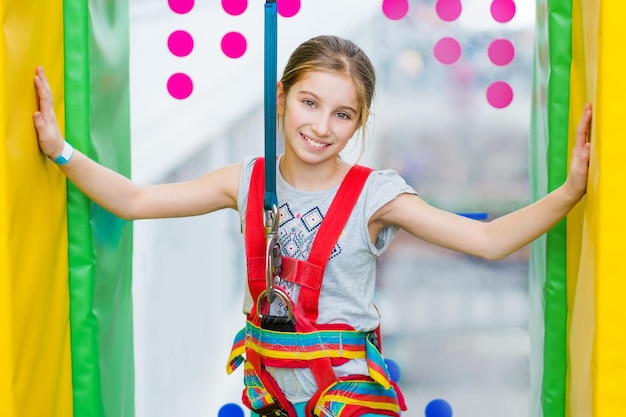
x=395, y=9
x=288, y=8
x=448, y=10
x=180, y=43
x=234, y=45
x=501, y=52
x=234, y=7
x=447, y=51
x=180, y=86
x=181, y=6
x=499, y=94
x=502, y=11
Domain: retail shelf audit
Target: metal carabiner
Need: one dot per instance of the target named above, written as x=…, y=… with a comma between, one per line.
x=273, y=261
x=281, y=294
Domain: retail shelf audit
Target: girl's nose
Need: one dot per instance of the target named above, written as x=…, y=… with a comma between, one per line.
x=321, y=125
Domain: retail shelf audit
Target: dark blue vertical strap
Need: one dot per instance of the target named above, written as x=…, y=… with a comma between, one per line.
x=270, y=199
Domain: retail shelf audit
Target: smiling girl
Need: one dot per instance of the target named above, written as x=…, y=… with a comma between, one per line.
x=324, y=358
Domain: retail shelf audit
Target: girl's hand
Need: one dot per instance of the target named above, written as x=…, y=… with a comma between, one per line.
x=48, y=133
x=579, y=165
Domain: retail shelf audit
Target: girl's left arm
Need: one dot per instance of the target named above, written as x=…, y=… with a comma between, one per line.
x=501, y=237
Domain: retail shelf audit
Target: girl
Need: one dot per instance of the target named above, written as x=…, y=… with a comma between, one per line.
x=323, y=99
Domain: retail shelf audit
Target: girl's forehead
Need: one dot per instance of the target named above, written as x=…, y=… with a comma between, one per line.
x=327, y=74
x=332, y=82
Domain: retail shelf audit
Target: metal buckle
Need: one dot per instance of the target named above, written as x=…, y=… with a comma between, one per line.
x=273, y=261
x=282, y=295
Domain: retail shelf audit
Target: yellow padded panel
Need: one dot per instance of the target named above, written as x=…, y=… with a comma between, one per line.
x=35, y=364
x=597, y=340
x=608, y=223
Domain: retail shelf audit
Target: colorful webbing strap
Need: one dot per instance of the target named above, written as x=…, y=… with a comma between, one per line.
x=301, y=348
x=376, y=365
x=257, y=394
x=355, y=397
x=347, y=344
x=271, y=43
x=237, y=352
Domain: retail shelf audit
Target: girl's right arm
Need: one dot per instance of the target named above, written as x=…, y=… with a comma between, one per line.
x=121, y=196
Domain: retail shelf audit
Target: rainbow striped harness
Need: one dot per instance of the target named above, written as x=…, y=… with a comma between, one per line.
x=298, y=341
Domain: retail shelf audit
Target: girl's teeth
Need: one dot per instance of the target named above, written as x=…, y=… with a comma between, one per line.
x=314, y=144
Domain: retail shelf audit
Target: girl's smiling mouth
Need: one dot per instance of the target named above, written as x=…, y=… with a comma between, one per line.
x=313, y=143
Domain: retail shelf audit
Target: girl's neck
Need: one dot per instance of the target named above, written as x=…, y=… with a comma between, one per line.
x=312, y=177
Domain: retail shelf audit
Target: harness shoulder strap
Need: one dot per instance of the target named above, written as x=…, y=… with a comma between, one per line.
x=338, y=214
x=255, y=229
x=327, y=236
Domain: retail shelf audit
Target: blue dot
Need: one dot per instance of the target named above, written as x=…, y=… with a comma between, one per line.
x=438, y=408
x=230, y=410
x=394, y=370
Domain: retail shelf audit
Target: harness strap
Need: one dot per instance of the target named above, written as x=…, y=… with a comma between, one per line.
x=263, y=395
x=310, y=273
x=301, y=347
x=254, y=217
x=330, y=231
x=300, y=350
x=321, y=367
x=354, y=396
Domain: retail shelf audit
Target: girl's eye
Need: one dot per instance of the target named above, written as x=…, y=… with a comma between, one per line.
x=309, y=103
x=343, y=116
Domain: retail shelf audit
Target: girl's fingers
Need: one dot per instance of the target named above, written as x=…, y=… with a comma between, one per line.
x=584, y=126
x=43, y=88
x=42, y=75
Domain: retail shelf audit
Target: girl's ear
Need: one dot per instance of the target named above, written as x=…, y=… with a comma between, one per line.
x=280, y=99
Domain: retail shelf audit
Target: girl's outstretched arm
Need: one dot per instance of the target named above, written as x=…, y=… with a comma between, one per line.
x=119, y=194
x=501, y=237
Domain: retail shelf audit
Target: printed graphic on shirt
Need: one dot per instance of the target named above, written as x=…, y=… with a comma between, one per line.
x=296, y=234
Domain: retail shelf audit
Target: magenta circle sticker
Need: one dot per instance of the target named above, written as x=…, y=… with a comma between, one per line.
x=501, y=52
x=502, y=11
x=395, y=9
x=234, y=7
x=499, y=94
x=180, y=43
x=448, y=10
x=288, y=8
x=234, y=45
x=181, y=6
x=447, y=50
x=179, y=86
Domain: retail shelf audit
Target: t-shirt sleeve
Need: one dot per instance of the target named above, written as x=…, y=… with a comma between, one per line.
x=382, y=187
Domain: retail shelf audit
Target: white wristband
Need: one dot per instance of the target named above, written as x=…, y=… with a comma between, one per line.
x=65, y=156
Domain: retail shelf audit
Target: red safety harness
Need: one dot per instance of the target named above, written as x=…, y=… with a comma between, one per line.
x=297, y=340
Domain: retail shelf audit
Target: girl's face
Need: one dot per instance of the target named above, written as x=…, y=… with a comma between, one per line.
x=320, y=114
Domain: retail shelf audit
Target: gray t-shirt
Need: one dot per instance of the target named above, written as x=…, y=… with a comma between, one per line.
x=349, y=278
